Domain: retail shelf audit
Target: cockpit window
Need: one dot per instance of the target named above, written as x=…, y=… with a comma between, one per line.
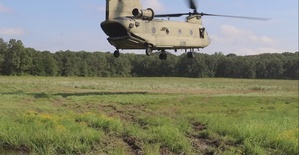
x=202, y=32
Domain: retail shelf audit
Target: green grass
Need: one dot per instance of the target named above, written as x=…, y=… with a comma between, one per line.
x=44, y=115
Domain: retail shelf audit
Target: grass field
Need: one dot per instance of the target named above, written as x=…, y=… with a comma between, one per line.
x=127, y=116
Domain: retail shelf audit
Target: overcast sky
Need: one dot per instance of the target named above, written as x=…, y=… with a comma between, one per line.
x=74, y=24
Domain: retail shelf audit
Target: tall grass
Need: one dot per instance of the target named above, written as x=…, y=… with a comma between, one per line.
x=261, y=132
x=47, y=134
x=42, y=115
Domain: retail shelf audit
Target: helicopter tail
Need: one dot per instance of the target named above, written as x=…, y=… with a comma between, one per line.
x=120, y=8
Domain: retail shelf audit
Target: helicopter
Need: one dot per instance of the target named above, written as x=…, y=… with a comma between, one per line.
x=131, y=27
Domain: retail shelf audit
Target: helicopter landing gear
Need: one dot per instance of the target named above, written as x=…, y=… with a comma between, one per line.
x=148, y=51
x=190, y=55
x=163, y=55
x=116, y=53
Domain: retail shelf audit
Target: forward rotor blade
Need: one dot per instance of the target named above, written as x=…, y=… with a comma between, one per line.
x=215, y=15
x=240, y=17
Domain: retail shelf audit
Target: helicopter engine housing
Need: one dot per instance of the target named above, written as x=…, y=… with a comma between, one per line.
x=147, y=14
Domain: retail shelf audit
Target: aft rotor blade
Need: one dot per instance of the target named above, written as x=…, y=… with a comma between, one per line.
x=172, y=15
x=240, y=17
x=192, y=5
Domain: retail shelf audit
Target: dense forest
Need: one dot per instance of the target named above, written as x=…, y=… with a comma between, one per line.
x=16, y=60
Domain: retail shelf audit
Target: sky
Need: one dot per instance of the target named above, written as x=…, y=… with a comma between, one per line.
x=55, y=25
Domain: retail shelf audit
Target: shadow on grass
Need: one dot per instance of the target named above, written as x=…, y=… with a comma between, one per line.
x=65, y=95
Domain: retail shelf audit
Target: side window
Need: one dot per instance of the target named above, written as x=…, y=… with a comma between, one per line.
x=154, y=30
x=180, y=32
x=191, y=32
x=202, y=32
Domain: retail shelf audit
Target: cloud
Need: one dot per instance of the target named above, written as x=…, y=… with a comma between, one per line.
x=231, y=39
x=154, y=4
x=231, y=33
x=12, y=31
x=4, y=9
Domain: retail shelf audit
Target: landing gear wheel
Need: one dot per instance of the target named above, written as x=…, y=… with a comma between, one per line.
x=190, y=55
x=163, y=56
x=148, y=51
x=116, y=54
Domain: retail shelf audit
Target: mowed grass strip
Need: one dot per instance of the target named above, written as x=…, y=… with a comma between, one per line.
x=44, y=115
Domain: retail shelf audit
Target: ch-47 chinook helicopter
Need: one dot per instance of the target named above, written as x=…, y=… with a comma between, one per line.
x=131, y=27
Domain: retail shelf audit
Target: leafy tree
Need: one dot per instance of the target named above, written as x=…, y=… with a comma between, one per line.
x=224, y=67
x=248, y=68
x=120, y=67
x=291, y=66
x=92, y=61
x=68, y=63
x=211, y=64
x=17, y=60
x=191, y=67
x=167, y=68
x=38, y=66
x=25, y=62
x=50, y=64
x=3, y=49
x=12, y=58
x=143, y=66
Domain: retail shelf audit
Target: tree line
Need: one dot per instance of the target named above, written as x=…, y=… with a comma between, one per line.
x=16, y=60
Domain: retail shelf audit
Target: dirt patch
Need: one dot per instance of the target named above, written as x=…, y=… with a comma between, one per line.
x=132, y=143
x=203, y=144
x=129, y=113
x=104, y=107
x=165, y=151
x=197, y=126
x=7, y=149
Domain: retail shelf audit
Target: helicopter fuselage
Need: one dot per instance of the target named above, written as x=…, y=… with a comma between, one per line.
x=128, y=26
x=132, y=33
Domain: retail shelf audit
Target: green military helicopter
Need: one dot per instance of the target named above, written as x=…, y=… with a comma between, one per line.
x=131, y=27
